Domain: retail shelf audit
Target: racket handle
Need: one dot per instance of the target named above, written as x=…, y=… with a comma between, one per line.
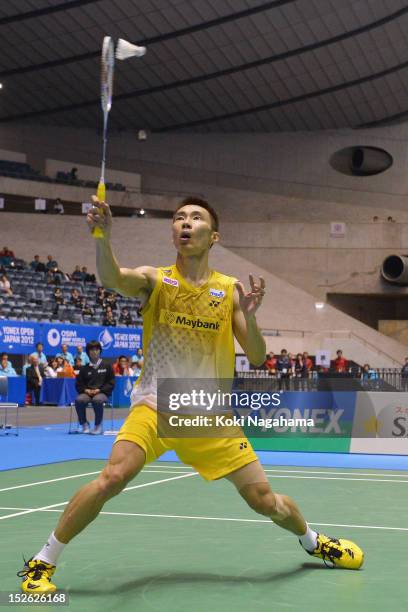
x=97, y=232
x=101, y=191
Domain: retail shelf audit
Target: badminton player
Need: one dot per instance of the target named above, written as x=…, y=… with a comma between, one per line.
x=175, y=349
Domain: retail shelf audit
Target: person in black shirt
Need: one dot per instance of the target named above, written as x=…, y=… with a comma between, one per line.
x=108, y=319
x=125, y=318
x=94, y=383
x=35, y=375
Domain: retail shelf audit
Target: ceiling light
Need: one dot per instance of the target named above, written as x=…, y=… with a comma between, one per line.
x=319, y=305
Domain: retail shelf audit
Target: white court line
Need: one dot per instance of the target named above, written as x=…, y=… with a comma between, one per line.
x=40, y=482
x=374, y=479
x=140, y=486
x=337, y=478
x=219, y=518
x=283, y=471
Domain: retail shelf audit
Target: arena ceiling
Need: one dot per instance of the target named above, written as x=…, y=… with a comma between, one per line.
x=212, y=65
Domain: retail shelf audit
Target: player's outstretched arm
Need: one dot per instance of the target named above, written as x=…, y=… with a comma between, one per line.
x=138, y=282
x=245, y=327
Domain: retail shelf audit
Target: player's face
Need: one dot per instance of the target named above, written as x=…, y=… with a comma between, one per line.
x=192, y=230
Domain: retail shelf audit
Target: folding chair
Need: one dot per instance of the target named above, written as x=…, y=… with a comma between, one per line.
x=73, y=429
x=6, y=409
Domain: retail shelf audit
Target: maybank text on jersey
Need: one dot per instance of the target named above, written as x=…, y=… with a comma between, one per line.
x=179, y=319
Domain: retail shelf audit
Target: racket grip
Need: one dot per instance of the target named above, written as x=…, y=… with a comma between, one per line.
x=97, y=232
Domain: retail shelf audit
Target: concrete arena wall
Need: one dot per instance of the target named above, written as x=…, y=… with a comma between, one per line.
x=292, y=164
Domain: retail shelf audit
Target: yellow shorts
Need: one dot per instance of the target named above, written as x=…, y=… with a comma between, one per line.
x=212, y=458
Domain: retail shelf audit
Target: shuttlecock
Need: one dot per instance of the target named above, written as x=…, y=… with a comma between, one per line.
x=125, y=49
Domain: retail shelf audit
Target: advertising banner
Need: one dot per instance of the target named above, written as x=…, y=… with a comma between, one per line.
x=22, y=336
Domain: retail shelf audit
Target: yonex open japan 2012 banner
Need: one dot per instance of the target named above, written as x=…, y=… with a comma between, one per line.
x=22, y=336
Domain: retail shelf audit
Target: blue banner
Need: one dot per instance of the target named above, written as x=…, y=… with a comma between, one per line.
x=20, y=337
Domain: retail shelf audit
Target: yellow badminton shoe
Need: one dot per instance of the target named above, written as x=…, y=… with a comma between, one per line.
x=338, y=553
x=36, y=576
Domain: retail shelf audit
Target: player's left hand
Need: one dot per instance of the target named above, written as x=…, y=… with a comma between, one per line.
x=251, y=301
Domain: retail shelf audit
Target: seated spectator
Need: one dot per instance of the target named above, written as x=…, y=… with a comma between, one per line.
x=86, y=308
x=66, y=354
x=77, y=365
x=80, y=354
x=136, y=368
x=50, y=369
x=76, y=298
x=125, y=318
x=340, y=364
x=77, y=275
x=100, y=296
x=37, y=265
x=270, y=363
x=121, y=367
x=73, y=174
x=88, y=278
x=6, y=367
x=51, y=264
x=94, y=383
x=110, y=300
x=64, y=368
x=34, y=376
x=58, y=300
x=138, y=357
x=58, y=207
x=108, y=319
x=6, y=256
x=404, y=369
x=39, y=353
x=5, y=286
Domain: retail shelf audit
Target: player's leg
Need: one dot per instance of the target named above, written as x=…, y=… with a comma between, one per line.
x=254, y=487
x=98, y=401
x=126, y=460
x=81, y=403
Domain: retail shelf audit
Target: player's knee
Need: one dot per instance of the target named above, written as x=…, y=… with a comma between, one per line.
x=112, y=481
x=261, y=498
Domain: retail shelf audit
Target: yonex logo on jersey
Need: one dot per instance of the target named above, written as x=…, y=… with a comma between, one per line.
x=179, y=319
x=170, y=281
x=217, y=293
x=169, y=317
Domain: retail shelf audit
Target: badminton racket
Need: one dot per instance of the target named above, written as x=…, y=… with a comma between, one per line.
x=107, y=67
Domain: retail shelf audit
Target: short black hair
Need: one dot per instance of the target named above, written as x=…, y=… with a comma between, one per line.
x=93, y=344
x=193, y=201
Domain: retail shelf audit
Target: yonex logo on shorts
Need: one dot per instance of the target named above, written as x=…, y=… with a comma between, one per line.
x=180, y=319
x=170, y=281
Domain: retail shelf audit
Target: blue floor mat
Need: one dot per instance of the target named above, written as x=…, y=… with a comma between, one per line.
x=51, y=444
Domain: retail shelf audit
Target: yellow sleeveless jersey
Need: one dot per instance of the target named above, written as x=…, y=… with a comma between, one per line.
x=187, y=332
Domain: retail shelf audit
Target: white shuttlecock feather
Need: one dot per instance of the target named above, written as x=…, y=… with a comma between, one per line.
x=125, y=49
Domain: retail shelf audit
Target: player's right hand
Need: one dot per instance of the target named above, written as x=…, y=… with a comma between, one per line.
x=100, y=216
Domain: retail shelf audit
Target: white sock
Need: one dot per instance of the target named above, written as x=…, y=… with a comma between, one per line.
x=51, y=550
x=309, y=539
